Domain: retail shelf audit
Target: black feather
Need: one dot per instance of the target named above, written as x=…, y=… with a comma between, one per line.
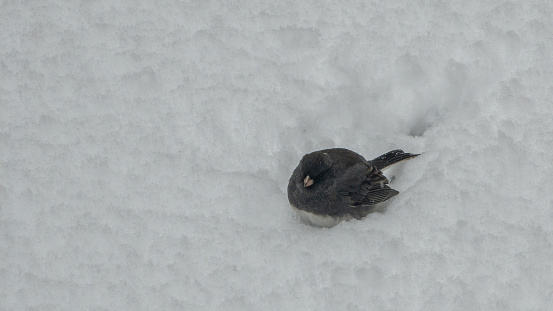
x=392, y=157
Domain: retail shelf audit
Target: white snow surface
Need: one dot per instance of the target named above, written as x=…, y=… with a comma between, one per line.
x=146, y=146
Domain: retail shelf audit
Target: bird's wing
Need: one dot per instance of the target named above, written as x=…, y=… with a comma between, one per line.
x=362, y=185
x=378, y=194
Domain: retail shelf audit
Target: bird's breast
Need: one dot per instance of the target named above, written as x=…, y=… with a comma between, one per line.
x=319, y=220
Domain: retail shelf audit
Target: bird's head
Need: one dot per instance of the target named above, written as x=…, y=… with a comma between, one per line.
x=313, y=166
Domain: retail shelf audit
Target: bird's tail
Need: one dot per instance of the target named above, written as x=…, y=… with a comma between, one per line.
x=392, y=157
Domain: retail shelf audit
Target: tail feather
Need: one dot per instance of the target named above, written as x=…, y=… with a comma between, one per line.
x=392, y=157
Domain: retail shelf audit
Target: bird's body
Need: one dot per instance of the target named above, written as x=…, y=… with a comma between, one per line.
x=332, y=185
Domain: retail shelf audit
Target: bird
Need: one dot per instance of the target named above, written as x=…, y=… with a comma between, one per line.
x=332, y=185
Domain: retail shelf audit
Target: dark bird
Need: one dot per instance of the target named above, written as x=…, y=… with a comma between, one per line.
x=332, y=185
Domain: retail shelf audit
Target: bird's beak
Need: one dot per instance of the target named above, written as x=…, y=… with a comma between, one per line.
x=308, y=181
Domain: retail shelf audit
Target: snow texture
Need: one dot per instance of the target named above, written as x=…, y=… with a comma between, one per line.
x=145, y=149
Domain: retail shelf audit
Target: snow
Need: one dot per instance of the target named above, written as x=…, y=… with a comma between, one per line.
x=145, y=149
